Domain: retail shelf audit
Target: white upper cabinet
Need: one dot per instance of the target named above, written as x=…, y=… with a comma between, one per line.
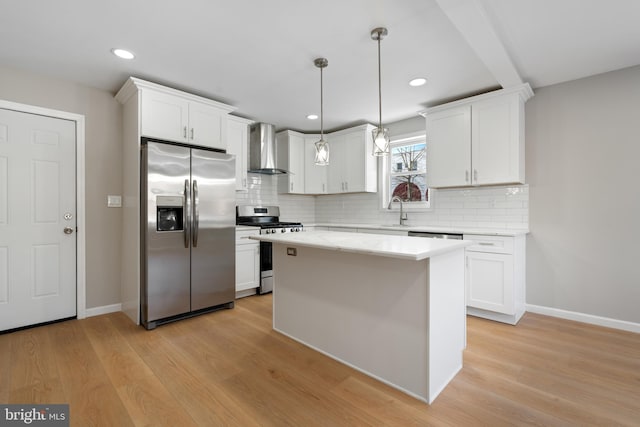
x=173, y=115
x=449, y=147
x=290, y=152
x=237, y=144
x=207, y=125
x=352, y=167
x=315, y=177
x=478, y=140
x=164, y=116
x=337, y=163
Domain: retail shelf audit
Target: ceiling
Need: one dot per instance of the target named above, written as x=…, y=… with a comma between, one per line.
x=258, y=55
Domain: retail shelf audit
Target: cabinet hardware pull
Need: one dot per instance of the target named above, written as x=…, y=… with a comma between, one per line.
x=323, y=188
x=475, y=175
x=291, y=187
x=184, y=132
x=466, y=176
x=486, y=244
x=191, y=133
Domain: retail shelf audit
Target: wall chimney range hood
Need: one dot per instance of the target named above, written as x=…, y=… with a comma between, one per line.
x=263, y=149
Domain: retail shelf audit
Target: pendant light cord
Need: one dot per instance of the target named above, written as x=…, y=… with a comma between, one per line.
x=321, y=108
x=379, y=85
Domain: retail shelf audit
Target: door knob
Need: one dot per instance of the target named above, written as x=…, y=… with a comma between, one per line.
x=68, y=230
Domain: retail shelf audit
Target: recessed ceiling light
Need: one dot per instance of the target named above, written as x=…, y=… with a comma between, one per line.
x=312, y=117
x=418, y=82
x=124, y=54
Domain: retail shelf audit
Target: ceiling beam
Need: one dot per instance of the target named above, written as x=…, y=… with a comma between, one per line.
x=471, y=19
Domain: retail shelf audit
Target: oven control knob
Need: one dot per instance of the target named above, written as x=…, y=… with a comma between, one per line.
x=269, y=231
x=297, y=229
x=283, y=230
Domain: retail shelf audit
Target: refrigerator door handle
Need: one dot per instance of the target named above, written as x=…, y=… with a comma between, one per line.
x=185, y=213
x=196, y=214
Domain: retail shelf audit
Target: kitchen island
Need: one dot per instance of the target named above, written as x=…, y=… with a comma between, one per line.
x=392, y=307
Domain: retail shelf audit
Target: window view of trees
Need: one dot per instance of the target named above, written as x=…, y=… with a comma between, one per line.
x=408, y=168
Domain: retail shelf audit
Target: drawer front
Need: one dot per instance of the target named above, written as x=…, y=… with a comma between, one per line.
x=490, y=244
x=242, y=237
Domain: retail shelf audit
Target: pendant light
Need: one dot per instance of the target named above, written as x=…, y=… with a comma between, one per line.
x=322, y=146
x=380, y=134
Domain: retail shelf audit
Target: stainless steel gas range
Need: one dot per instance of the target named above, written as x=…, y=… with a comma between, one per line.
x=268, y=219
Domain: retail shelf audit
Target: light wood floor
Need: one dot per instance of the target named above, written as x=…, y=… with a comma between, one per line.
x=230, y=368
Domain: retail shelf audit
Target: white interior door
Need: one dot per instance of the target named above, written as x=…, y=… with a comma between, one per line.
x=37, y=219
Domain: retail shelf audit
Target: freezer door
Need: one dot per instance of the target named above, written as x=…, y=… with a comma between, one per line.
x=165, y=263
x=213, y=237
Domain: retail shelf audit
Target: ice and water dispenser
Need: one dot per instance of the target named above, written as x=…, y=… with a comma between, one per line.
x=170, y=213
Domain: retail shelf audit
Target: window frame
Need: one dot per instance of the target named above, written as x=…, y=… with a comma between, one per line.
x=386, y=174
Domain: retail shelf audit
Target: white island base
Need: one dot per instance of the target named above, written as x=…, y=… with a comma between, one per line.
x=401, y=321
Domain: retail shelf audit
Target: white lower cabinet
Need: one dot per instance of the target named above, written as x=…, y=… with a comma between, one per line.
x=495, y=277
x=247, y=262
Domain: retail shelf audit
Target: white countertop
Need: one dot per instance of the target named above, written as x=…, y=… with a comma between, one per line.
x=402, y=247
x=428, y=229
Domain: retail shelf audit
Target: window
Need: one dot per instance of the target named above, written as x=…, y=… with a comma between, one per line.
x=405, y=173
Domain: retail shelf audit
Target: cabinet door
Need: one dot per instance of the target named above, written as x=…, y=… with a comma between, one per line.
x=247, y=266
x=164, y=116
x=497, y=146
x=489, y=282
x=355, y=170
x=290, y=153
x=296, y=164
x=315, y=177
x=338, y=162
x=206, y=126
x=237, y=137
x=449, y=147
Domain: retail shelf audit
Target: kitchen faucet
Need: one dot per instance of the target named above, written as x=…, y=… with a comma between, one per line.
x=403, y=215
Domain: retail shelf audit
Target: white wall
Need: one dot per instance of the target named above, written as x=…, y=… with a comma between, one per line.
x=582, y=154
x=103, y=149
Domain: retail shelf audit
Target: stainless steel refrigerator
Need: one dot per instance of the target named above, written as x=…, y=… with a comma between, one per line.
x=188, y=231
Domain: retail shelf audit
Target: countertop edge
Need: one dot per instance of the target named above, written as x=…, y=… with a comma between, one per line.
x=442, y=246
x=426, y=228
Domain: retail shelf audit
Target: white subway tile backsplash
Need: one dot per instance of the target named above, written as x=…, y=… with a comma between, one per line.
x=493, y=207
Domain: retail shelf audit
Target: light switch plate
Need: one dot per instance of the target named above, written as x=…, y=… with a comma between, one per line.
x=114, y=201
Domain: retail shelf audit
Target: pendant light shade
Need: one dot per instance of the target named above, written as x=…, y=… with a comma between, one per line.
x=380, y=134
x=322, y=146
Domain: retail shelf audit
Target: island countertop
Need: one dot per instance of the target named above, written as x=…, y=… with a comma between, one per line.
x=403, y=247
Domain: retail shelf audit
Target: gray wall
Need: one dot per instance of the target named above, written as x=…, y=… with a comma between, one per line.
x=103, y=149
x=582, y=153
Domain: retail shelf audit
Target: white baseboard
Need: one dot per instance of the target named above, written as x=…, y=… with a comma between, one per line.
x=105, y=309
x=585, y=318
